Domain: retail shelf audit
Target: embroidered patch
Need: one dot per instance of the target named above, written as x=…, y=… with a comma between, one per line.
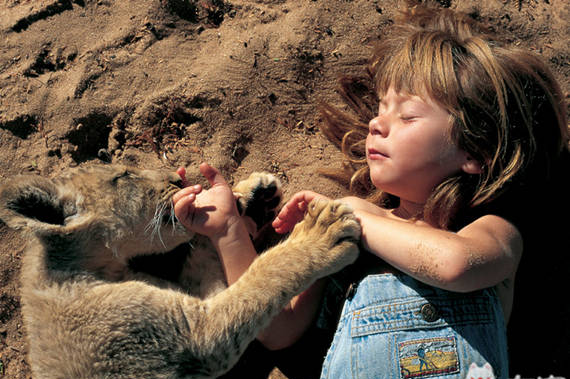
x=427, y=357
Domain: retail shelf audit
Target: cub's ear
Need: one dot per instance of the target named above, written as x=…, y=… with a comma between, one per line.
x=32, y=202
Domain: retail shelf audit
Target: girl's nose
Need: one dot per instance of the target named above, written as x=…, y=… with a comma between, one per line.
x=377, y=126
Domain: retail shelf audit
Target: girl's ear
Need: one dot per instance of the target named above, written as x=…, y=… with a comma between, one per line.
x=471, y=166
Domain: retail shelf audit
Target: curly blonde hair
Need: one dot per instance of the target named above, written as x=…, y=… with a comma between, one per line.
x=508, y=110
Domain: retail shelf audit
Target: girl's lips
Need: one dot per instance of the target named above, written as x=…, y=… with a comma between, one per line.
x=375, y=154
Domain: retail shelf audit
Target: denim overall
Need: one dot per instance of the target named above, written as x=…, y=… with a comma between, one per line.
x=393, y=326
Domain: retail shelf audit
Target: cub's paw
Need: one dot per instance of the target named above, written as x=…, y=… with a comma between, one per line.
x=329, y=230
x=257, y=199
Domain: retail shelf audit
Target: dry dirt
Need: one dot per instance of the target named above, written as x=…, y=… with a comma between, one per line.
x=169, y=83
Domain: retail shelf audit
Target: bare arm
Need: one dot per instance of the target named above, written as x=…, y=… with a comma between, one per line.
x=480, y=255
x=214, y=213
x=289, y=325
x=235, y=249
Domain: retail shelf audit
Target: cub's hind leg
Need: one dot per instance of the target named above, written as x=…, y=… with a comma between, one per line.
x=258, y=198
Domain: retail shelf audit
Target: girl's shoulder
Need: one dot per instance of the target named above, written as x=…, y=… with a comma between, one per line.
x=359, y=204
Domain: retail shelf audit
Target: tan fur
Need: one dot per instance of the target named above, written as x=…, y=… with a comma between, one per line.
x=88, y=316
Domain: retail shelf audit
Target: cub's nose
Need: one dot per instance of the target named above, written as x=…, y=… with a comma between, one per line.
x=177, y=181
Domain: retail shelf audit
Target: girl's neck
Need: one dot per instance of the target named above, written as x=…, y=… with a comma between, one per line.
x=408, y=210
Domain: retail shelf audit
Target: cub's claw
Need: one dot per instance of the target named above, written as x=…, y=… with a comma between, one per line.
x=331, y=232
x=333, y=219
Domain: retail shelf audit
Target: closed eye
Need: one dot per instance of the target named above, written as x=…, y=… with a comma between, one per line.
x=124, y=174
x=408, y=118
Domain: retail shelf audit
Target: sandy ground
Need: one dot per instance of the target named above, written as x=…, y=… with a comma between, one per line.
x=156, y=84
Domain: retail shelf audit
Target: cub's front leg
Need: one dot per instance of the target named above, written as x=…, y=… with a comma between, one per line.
x=323, y=243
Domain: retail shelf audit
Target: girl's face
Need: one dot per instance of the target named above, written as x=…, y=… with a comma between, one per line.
x=409, y=149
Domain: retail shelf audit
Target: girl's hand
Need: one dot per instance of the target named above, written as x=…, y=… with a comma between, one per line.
x=210, y=212
x=294, y=211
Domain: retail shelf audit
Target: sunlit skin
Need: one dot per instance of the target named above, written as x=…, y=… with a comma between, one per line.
x=409, y=149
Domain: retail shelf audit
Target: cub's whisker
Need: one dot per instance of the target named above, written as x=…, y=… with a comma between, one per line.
x=155, y=224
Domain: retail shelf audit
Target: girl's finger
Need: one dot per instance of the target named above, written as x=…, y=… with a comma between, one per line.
x=296, y=207
x=290, y=214
x=183, y=207
x=182, y=173
x=195, y=189
x=294, y=211
x=283, y=228
x=212, y=174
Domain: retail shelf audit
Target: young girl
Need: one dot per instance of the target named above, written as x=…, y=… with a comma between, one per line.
x=466, y=131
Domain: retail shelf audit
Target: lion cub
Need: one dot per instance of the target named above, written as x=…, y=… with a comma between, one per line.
x=87, y=315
